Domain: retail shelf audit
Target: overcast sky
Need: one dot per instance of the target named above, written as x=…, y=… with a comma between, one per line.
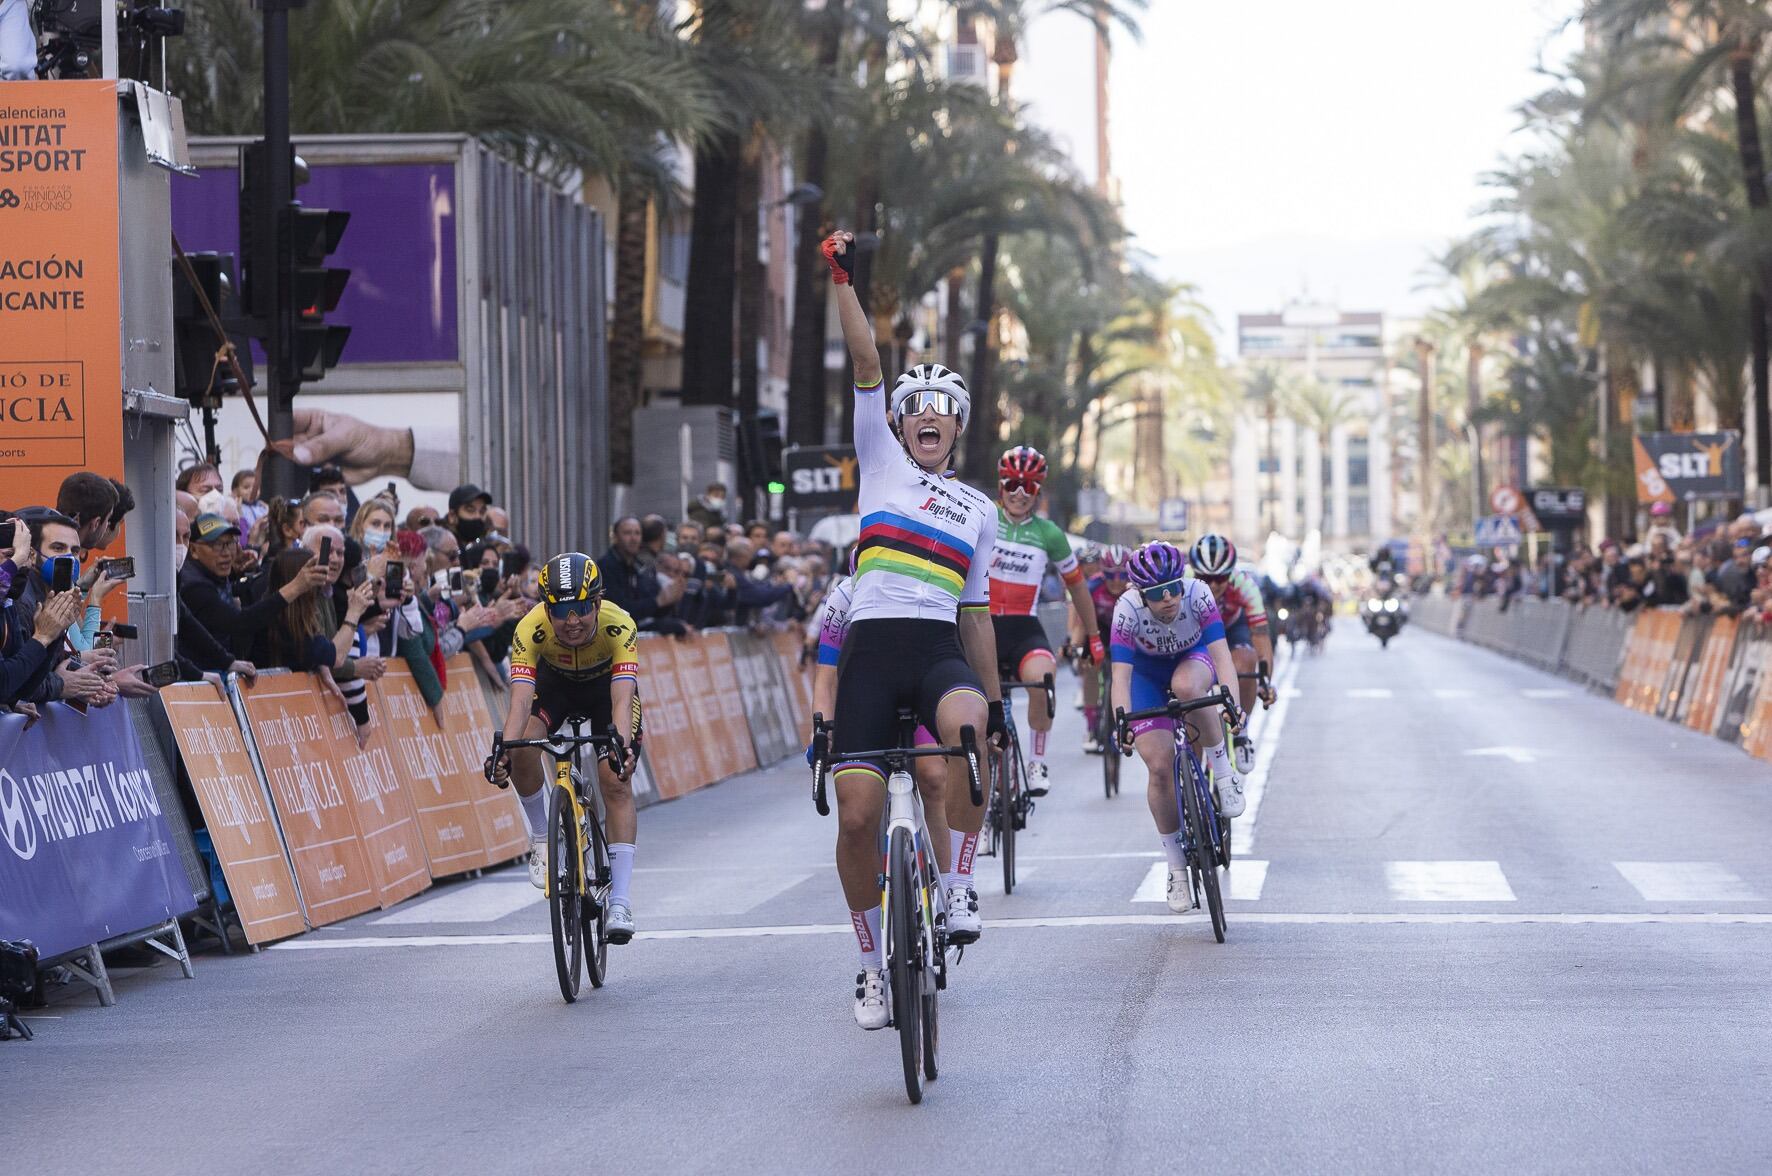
x=1267, y=147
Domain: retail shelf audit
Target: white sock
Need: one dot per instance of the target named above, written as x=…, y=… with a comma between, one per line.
x=867, y=936
x=1220, y=758
x=621, y=871
x=536, y=809
x=1172, y=849
x=962, y=853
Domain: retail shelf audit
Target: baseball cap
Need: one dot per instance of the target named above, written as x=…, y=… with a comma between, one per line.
x=1760, y=555
x=467, y=493
x=210, y=527
x=1661, y=508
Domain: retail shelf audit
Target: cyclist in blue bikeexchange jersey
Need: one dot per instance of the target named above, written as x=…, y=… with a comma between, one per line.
x=919, y=623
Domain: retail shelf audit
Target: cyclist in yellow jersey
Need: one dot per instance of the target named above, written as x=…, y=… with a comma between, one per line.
x=575, y=654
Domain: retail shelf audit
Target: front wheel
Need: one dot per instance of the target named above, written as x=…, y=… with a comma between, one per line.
x=1009, y=789
x=1110, y=751
x=904, y=948
x=595, y=915
x=565, y=905
x=1204, y=858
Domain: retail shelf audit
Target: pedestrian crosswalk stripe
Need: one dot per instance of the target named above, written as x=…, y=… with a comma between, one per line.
x=1247, y=879
x=1453, y=693
x=1369, y=692
x=1155, y=885
x=1685, y=882
x=1447, y=882
x=474, y=902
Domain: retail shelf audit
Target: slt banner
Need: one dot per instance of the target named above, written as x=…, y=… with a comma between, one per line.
x=61, y=356
x=1682, y=467
x=234, y=810
x=85, y=853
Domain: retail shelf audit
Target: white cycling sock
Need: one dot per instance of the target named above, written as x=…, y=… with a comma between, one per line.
x=1220, y=758
x=1172, y=849
x=536, y=809
x=867, y=936
x=962, y=848
x=621, y=871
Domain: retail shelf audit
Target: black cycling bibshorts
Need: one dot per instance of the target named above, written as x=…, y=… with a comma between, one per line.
x=558, y=698
x=1017, y=637
x=888, y=663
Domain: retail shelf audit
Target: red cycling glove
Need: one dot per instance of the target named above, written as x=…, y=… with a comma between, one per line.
x=1097, y=652
x=842, y=264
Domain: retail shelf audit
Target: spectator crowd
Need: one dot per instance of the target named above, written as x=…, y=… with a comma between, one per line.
x=1725, y=571
x=342, y=587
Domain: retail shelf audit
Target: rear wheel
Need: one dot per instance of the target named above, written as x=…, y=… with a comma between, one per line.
x=904, y=958
x=1009, y=790
x=1110, y=751
x=1204, y=858
x=595, y=916
x=565, y=906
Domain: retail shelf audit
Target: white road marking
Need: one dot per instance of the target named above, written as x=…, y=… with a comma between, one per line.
x=1290, y=691
x=1369, y=692
x=1087, y=857
x=1519, y=755
x=472, y=903
x=715, y=892
x=1447, y=882
x=1685, y=882
x=1247, y=879
x=1550, y=692
x=1155, y=886
x=1453, y=693
x=1267, y=742
x=993, y=878
x=1246, y=918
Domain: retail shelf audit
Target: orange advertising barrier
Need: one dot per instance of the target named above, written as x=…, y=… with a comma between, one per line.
x=309, y=794
x=469, y=726
x=674, y=741
x=799, y=678
x=61, y=358
x=1646, y=657
x=425, y=759
x=240, y=826
x=383, y=811
x=1713, y=669
x=725, y=720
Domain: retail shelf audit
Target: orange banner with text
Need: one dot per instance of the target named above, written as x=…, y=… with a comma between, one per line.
x=240, y=825
x=383, y=810
x=61, y=359
x=470, y=726
x=308, y=791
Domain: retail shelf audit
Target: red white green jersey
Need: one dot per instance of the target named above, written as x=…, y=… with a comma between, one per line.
x=1018, y=563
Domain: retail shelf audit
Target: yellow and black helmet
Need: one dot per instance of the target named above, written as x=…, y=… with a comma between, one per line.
x=571, y=577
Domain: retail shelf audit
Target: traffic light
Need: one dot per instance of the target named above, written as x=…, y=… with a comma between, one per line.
x=258, y=238
x=194, y=345
x=312, y=236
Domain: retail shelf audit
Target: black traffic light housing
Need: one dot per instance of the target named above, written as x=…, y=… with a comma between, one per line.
x=311, y=236
x=196, y=376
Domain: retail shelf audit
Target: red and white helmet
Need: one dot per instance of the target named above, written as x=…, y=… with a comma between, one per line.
x=1024, y=466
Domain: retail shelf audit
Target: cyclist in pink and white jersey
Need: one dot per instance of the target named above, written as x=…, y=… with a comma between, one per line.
x=1214, y=560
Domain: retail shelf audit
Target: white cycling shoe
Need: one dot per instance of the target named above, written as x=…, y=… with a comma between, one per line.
x=1039, y=779
x=1230, y=796
x=1180, y=895
x=1243, y=753
x=621, y=922
x=870, y=999
x=538, y=862
x=964, y=925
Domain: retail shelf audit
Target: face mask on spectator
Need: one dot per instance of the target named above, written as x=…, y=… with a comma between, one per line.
x=469, y=530
x=50, y=564
x=376, y=540
x=179, y=551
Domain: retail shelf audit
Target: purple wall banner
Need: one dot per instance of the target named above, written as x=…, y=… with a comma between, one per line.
x=84, y=851
x=400, y=248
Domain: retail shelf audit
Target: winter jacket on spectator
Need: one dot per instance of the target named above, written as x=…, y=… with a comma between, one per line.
x=630, y=586
x=212, y=601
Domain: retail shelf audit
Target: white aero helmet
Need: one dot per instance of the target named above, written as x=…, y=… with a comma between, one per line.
x=932, y=377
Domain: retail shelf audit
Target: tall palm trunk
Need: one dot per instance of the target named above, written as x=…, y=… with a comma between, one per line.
x=955, y=328
x=982, y=432
x=807, y=387
x=627, y=328
x=713, y=278
x=750, y=303
x=1753, y=168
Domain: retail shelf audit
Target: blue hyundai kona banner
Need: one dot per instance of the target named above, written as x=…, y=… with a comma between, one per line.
x=84, y=851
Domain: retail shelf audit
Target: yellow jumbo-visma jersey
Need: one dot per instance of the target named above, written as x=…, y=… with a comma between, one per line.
x=610, y=653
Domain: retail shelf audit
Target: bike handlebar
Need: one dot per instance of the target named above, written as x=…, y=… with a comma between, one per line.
x=609, y=745
x=1044, y=684
x=1219, y=696
x=967, y=749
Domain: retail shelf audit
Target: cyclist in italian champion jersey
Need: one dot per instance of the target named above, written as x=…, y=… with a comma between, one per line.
x=1026, y=544
x=930, y=774
x=1169, y=639
x=1105, y=589
x=919, y=622
x=1214, y=560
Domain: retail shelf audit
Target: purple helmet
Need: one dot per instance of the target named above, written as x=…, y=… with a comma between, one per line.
x=1156, y=563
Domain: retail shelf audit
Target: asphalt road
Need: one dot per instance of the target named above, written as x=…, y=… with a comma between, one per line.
x=1484, y=921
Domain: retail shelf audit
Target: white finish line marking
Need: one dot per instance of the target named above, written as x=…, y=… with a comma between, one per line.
x=1447, y=882
x=472, y=903
x=1248, y=918
x=1685, y=882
